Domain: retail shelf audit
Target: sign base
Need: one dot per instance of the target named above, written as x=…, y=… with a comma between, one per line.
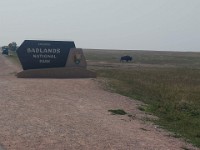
x=63, y=72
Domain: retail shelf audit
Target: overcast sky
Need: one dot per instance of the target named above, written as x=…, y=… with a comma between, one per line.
x=110, y=24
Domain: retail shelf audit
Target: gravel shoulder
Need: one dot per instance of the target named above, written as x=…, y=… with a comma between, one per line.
x=72, y=114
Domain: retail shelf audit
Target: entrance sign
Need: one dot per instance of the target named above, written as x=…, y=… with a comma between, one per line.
x=35, y=54
x=52, y=59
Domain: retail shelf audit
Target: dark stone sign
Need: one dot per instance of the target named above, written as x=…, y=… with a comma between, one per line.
x=44, y=54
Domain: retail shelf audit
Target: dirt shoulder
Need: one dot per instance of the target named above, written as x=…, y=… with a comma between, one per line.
x=49, y=114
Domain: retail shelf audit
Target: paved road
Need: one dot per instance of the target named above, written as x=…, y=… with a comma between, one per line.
x=58, y=114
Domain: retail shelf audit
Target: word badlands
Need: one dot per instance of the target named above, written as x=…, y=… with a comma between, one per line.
x=45, y=50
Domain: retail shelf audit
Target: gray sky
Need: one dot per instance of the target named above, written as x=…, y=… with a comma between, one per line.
x=109, y=24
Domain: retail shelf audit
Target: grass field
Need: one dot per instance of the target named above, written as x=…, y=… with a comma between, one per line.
x=177, y=59
x=169, y=82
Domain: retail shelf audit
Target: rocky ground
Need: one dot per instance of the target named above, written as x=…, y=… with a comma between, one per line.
x=72, y=114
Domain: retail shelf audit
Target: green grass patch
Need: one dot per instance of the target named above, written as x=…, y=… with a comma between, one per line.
x=117, y=112
x=142, y=108
x=172, y=94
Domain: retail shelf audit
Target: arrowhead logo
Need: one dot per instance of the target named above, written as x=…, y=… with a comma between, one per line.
x=77, y=58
